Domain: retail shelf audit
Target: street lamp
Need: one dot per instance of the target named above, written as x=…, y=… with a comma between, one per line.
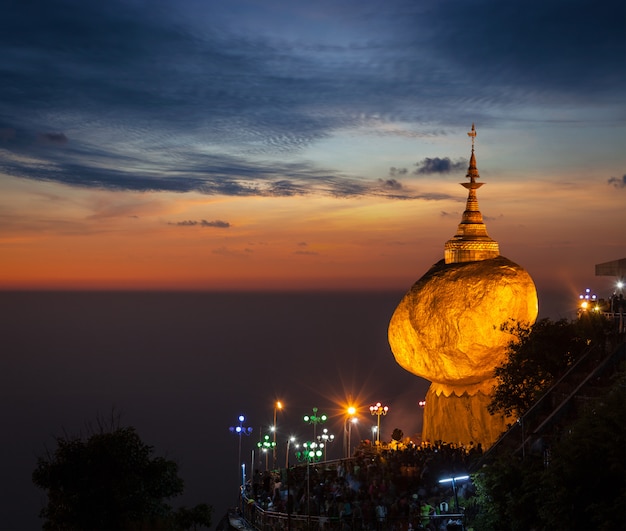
x=588, y=301
x=241, y=430
x=315, y=420
x=312, y=452
x=289, y=441
x=454, y=480
x=265, y=446
x=277, y=405
x=347, y=428
x=378, y=409
x=324, y=439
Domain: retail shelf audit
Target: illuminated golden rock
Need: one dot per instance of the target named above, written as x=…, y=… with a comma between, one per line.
x=461, y=419
x=447, y=328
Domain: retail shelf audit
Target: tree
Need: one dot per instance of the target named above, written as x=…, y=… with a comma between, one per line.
x=110, y=480
x=581, y=487
x=507, y=495
x=585, y=484
x=538, y=355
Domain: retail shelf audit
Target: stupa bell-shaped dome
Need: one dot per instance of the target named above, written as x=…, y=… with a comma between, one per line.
x=471, y=241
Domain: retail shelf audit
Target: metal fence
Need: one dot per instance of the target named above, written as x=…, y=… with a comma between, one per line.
x=264, y=520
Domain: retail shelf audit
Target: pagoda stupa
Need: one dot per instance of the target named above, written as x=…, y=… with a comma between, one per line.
x=447, y=328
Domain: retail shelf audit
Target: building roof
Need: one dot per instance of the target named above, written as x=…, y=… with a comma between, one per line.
x=615, y=268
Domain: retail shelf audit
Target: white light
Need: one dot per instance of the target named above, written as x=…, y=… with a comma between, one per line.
x=458, y=478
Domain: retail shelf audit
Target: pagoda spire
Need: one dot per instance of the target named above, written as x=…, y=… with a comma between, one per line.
x=471, y=241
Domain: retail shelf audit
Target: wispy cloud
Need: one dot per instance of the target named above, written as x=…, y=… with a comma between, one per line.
x=202, y=223
x=618, y=183
x=175, y=96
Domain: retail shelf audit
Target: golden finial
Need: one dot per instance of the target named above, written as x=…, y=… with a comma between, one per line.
x=472, y=133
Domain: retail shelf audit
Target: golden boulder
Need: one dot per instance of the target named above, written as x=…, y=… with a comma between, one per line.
x=447, y=330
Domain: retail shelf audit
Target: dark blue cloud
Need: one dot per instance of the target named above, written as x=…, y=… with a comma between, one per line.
x=438, y=165
x=222, y=97
x=618, y=183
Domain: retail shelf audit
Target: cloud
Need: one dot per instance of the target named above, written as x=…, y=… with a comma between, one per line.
x=618, y=183
x=52, y=138
x=225, y=251
x=390, y=184
x=176, y=97
x=397, y=171
x=203, y=223
x=438, y=165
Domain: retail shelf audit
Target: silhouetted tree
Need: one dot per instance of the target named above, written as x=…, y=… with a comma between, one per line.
x=110, y=480
x=538, y=355
x=581, y=487
x=585, y=483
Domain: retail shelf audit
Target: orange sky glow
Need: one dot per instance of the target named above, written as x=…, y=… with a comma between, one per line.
x=59, y=237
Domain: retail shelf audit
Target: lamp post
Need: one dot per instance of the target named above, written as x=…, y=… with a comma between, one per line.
x=277, y=405
x=378, y=409
x=312, y=452
x=324, y=439
x=240, y=430
x=315, y=419
x=588, y=301
x=289, y=441
x=347, y=428
x=265, y=445
x=289, y=501
x=454, y=480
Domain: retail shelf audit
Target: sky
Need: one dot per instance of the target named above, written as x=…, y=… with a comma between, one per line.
x=245, y=145
x=214, y=152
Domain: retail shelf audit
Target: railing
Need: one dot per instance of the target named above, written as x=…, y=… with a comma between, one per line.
x=263, y=520
x=555, y=402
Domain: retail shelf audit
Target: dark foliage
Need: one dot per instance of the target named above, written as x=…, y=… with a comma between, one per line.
x=585, y=484
x=538, y=355
x=110, y=480
x=581, y=487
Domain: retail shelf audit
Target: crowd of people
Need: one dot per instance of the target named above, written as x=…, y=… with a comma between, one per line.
x=614, y=304
x=377, y=487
